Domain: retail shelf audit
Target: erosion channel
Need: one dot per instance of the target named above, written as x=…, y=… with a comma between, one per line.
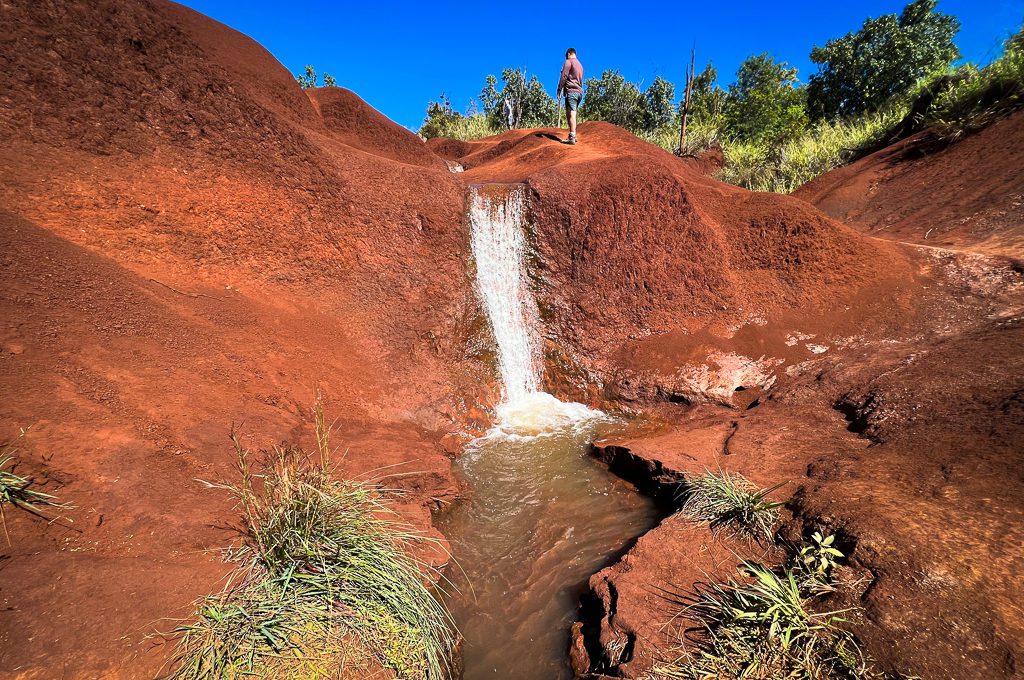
x=541, y=516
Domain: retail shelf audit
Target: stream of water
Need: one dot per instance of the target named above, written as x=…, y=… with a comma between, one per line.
x=541, y=516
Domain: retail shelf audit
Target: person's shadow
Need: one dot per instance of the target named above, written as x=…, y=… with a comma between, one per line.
x=548, y=135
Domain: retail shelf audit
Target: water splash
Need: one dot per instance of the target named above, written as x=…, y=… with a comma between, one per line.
x=497, y=216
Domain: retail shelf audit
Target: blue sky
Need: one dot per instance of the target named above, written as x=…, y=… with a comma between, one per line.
x=400, y=55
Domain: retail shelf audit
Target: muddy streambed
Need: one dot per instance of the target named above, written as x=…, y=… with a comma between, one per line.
x=540, y=517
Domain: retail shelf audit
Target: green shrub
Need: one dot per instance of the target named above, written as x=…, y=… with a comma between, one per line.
x=324, y=572
x=784, y=167
x=815, y=563
x=444, y=121
x=307, y=79
x=730, y=499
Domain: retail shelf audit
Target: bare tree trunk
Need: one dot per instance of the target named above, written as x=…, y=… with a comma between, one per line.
x=686, y=100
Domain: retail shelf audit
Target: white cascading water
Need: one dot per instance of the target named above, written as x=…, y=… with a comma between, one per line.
x=497, y=220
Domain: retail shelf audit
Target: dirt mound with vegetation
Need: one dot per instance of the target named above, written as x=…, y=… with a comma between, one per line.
x=633, y=241
x=967, y=195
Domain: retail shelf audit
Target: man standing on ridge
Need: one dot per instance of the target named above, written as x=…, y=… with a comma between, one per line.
x=571, y=83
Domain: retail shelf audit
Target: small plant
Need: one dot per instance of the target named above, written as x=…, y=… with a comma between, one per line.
x=730, y=499
x=761, y=626
x=17, y=491
x=817, y=559
x=307, y=79
x=326, y=576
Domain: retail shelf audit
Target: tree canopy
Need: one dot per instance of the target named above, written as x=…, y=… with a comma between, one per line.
x=765, y=103
x=864, y=69
x=519, y=103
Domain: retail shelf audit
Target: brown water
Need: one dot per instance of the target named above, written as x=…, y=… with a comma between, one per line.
x=542, y=517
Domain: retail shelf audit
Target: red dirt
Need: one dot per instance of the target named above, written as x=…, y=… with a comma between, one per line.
x=969, y=196
x=191, y=241
x=187, y=244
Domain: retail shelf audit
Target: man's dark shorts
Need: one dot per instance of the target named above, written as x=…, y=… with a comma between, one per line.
x=572, y=100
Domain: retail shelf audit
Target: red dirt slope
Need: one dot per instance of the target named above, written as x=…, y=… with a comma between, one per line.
x=968, y=196
x=353, y=121
x=187, y=243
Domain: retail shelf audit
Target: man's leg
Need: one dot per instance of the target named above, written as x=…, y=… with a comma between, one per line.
x=572, y=121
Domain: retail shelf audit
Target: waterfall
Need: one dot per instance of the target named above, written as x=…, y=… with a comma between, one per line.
x=499, y=247
x=497, y=216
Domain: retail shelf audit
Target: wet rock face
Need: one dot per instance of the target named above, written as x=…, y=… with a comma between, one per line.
x=640, y=243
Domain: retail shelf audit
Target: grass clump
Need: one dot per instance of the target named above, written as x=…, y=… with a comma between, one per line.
x=17, y=491
x=458, y=126
x=730, y=499
x=979, y=97
x=325, y=577
x=761, y=626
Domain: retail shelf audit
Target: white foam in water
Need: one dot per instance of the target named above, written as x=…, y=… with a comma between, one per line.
x=499, y=247
x=539, y=413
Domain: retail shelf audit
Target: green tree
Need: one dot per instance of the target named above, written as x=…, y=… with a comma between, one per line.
x=706, y=97
x=329, y=80
x=765, y=104
x=864, y=69
x=658, y=108
x=521, y=102
x=441, y=118
x=614, y=99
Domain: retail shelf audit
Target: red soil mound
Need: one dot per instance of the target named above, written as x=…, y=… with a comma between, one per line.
x=353, y=121
x=188, y=243
x=449, y=149
x=969, y=195
x=634, y=241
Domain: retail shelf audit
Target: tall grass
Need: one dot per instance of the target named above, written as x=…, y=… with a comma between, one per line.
x=326, y=575
x=18, y=491
x=979, y=97
x=466, y=128
x=823, y=147
x=700, y=136
x=760, y=626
